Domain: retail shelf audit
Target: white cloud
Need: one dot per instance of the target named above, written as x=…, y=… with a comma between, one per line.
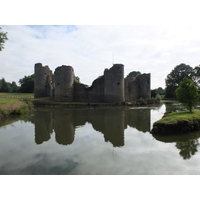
x=90, y=49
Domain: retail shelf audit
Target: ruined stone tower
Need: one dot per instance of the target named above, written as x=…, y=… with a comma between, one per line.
x=114, y=84
x=139, y=87
x=43, y=81
x=64, y=83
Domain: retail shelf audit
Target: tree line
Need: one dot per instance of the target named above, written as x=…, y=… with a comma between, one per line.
x=26, y=85
x=177, y=75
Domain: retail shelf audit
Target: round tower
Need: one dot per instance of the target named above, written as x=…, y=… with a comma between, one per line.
x=114, y=84
x=144, y=86
x=64, y=80
x=40, y=80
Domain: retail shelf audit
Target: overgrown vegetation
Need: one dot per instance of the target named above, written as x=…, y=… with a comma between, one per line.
x=9, y=107
x=142, y=102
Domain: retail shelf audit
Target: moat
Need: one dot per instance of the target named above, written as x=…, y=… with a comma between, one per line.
x=96, y=141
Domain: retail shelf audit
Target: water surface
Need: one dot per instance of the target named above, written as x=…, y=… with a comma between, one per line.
x=96, y=141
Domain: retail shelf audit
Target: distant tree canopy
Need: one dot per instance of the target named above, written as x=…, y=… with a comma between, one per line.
x=27, y=84
x=8, y=87
x=187, y=93
x=158, y=91
x=134, y=74
x=3, y=38
x=177, y=75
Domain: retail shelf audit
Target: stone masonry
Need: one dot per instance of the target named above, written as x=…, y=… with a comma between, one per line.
x=111, y=87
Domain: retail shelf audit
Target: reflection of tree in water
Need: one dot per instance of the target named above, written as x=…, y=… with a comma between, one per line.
x=187, y=149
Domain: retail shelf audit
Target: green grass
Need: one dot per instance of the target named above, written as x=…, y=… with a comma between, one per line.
x=174, y=117
x=177, y=123
x=10, y=107
x=16, y=95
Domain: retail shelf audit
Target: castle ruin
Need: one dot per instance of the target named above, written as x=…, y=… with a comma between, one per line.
x=111, y=87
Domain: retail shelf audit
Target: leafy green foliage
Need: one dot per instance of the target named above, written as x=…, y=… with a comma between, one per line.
x=187, y=93
x=176, y=76
x=3, y=38
x=8, y=87
x=133, y=74
x=4, y=86
x=27, y=84
x=158, y=91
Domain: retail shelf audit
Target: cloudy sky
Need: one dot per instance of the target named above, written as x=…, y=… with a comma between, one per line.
x=154, y=48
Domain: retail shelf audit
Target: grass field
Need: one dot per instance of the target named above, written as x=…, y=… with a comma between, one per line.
x=14, y=104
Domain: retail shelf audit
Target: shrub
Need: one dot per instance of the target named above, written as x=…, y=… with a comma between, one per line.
x=141, y=101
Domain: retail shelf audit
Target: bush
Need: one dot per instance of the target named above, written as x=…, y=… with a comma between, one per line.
x=141, y=101
x=151, y=101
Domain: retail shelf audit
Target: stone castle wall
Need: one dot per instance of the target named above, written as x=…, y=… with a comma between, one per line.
x=96, y=91
x=80, y=92
x=110, y=87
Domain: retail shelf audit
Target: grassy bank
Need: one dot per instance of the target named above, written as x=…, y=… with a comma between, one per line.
x=9, y=107
x=177, y=122
x=17, y=95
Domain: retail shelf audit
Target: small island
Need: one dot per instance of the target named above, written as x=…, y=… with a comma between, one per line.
x=182, y=121
x=177, y=123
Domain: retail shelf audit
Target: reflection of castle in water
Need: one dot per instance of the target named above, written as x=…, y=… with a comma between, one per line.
x=111, y=122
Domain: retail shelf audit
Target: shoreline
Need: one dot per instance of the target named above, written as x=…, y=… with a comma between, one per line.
x=175, y=123
x=49, y=102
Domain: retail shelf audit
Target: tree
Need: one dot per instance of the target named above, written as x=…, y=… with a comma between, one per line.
x=158, y=91
x=14, y=87
x=5, y=86
x=175, y=77
x=3, y=38
x=27, y=84
x=187, y=93
x=134, y=74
